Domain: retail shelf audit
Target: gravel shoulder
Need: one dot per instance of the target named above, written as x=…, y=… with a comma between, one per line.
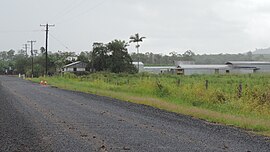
x=41, y=118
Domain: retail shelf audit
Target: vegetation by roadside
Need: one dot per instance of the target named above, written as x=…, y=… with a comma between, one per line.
x=238, y=100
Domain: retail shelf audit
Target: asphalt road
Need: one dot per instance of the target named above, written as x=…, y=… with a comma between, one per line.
x=41, y=118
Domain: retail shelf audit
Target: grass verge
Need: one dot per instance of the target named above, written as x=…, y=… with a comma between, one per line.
x=233, y=112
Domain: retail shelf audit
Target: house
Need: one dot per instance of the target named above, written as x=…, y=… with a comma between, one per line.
x=75, y=67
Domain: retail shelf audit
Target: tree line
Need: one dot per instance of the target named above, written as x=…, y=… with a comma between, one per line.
x=150, y=58
x=111, y=57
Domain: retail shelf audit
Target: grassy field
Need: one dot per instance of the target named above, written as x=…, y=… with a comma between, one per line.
x=238, y=100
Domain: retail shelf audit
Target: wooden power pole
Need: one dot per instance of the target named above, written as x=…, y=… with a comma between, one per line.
x=46, y=45
x=25, y=47
x=32, y=55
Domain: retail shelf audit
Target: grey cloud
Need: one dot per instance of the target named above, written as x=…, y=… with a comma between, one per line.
x=205, y=26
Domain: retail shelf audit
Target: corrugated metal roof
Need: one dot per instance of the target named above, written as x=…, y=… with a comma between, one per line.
x=74, y=63
x=189, y=66
x=248, y=62
x=159, y=67
x=202, y=66
x=136, y=63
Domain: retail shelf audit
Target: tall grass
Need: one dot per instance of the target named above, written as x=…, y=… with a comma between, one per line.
x=242, y=96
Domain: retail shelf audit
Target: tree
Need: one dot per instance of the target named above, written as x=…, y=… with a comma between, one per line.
x=120, y=60
x=10, y=54
x=21, y=63
x=136, y=39
x=84, y=57
x=100, y=57
x=112, y=57
x=188, y=55
x=42, y=50
x=249, y=55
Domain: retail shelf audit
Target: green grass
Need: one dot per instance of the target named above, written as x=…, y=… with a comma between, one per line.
x=220, y=103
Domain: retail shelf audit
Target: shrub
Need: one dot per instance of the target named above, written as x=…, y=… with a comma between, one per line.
x=217, y=96
x=69, y=75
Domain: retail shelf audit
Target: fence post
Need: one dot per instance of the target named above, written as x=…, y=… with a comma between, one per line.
x=240, y=89
x=178, y=82
x=206, y=84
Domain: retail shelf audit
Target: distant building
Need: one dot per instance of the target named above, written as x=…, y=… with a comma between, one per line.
x=249, y=66
x=75, y=67
x=201, y=69
x=159, y=69
x=235, y=67
x=141, y=66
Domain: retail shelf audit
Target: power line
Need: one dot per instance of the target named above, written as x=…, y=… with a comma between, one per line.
x=65, y=8
x=83, y=12
x=46, y=45
x=59, y=41
x=69, y=10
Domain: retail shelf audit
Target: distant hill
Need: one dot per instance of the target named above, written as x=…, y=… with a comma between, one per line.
x=262, y=51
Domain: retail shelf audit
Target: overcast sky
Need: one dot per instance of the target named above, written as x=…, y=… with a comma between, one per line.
x=203, y=26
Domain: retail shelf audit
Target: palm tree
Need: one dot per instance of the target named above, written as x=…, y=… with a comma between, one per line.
x=136, y=39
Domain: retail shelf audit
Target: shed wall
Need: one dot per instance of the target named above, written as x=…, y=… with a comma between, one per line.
x=204, y=71
x=241, y=71
x=72, y=69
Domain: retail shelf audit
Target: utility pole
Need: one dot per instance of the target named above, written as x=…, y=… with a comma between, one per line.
x=46, y=45
x=32, y=54
x=25, y=47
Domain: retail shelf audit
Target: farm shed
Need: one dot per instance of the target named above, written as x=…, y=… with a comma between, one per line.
x=75, y=67
x=235, y=67
x=249, y=66
x=159, y=69
x=141, y=66
x=188, y=69
x=201, y=69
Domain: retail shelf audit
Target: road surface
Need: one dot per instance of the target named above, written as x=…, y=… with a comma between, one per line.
x=42, y=118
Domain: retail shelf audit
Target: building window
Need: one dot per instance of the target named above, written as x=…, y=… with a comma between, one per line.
x=74, y=69
x=227, y=71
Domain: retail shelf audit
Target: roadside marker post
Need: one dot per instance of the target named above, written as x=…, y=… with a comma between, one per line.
x=43, y=82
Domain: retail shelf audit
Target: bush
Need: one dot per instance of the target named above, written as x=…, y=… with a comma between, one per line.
x=69, y=75
x=217, y=96
x=80, y=73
